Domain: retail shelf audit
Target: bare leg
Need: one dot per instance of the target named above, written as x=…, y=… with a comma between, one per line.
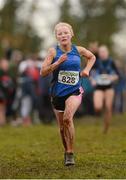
x=2, y=114
x=109, y=96
x=59, y=117
x=98, y=99
x=65, y=121
x=71, y=105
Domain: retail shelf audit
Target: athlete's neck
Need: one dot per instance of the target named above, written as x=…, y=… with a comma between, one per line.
x=66, y=48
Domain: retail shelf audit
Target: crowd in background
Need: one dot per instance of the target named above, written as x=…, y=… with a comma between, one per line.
x=24, y=94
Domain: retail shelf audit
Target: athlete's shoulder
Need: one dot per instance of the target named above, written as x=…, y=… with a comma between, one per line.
x=82, y=50
x=76, y=48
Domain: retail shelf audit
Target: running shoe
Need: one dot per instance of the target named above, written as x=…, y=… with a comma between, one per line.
x=69, y=159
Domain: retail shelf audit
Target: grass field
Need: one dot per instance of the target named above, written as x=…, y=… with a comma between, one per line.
x=36, y=152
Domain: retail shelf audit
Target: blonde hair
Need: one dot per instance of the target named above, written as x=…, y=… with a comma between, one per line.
x=104, y=47
x=64, y=24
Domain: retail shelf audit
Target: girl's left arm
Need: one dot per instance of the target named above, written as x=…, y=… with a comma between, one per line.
x=90, y=60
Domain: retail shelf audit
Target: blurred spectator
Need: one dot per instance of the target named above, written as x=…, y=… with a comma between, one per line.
x=93, y=47
x=6, y=48
x=15, y=60
x=87, y=101
x=119, y=89
x=6, y=90
x=124, y=90
x=45, y=107
x=28, y=81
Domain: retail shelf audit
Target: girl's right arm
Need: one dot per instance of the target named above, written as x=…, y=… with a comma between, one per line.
x=47, y=67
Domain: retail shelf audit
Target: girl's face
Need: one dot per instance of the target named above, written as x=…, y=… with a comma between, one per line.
x=63, y=35
x=103, y=53
x=4, y=65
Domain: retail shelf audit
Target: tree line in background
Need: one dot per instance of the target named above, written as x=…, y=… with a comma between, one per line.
x=95, y=20
x=13, y=32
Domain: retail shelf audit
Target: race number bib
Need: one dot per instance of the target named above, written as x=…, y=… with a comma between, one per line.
x=103, y=80
x=68, y=77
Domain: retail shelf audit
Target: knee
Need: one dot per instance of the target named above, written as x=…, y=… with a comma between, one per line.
x=67, y=116
x=61, y=128
x=66, y=121
x=98, y=106
x=98, y=109
x=108, y=109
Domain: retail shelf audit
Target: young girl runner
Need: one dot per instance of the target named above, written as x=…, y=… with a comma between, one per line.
x=64, y=61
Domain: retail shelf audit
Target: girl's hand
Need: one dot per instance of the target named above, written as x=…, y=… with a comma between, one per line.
x=84, y=73
x=62, y=58
x=113, y=77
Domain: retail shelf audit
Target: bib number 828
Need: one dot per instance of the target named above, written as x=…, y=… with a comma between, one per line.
x=68, y=79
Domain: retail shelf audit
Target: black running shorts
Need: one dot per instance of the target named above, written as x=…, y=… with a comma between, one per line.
x=59, y=102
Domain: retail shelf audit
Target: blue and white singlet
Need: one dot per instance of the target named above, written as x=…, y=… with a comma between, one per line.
x=66, y=77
